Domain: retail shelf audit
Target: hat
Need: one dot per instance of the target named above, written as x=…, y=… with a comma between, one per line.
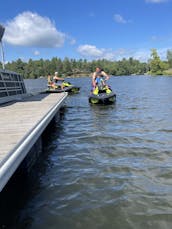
x=56, y=73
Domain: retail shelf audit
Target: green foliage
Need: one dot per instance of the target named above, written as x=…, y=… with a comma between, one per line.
x=67, y=67
x=169, y=58
x=157, y=67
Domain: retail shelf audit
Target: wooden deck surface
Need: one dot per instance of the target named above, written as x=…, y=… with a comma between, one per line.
x=18, y=119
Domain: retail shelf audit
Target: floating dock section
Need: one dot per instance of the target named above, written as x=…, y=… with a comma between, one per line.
x=21, y=125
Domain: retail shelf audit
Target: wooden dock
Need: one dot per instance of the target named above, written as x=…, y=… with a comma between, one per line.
x=21, y=124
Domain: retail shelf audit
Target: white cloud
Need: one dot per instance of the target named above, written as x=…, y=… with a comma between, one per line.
x=91, y=51
x=154, y=38
x=92, y=14
x=143, y=55
x=163, y=53
x=36, y=53
x=71, y=40
x=119, y=19
x=139, y=54
x=156, y=1
x=30, y=29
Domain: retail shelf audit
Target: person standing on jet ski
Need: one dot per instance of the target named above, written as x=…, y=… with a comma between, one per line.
x=98, y=79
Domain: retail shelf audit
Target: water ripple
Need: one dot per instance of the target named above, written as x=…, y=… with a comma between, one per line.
x=110, y=167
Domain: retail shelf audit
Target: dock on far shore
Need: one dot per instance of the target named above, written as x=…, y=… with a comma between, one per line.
x=21, y=124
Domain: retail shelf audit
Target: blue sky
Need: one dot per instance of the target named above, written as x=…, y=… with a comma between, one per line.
x=87, y=29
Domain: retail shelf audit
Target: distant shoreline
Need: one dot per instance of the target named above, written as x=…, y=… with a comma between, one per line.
x=89, y=75
x=133, y=75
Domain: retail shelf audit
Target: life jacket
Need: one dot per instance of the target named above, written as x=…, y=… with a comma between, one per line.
x=105, y=88
x=100, y=82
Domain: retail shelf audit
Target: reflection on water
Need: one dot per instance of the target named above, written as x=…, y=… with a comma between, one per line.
x=106, y=166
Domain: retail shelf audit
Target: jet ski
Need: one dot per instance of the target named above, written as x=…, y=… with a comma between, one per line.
x=66, y=87
x=102, y=96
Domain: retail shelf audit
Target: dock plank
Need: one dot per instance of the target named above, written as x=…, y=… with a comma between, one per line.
x=17, y=119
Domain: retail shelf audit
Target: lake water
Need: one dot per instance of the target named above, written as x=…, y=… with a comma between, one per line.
x=103, y=167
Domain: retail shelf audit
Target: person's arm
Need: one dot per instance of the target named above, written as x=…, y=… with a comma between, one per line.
x=105, y=75
x=93, y=80
x=49, y=79
x=58, y=78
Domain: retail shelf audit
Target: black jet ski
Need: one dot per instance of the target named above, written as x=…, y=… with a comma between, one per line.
x=67, y=87
x=103, y=96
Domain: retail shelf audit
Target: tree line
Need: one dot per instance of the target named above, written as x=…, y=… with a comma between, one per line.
x=72, y=67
